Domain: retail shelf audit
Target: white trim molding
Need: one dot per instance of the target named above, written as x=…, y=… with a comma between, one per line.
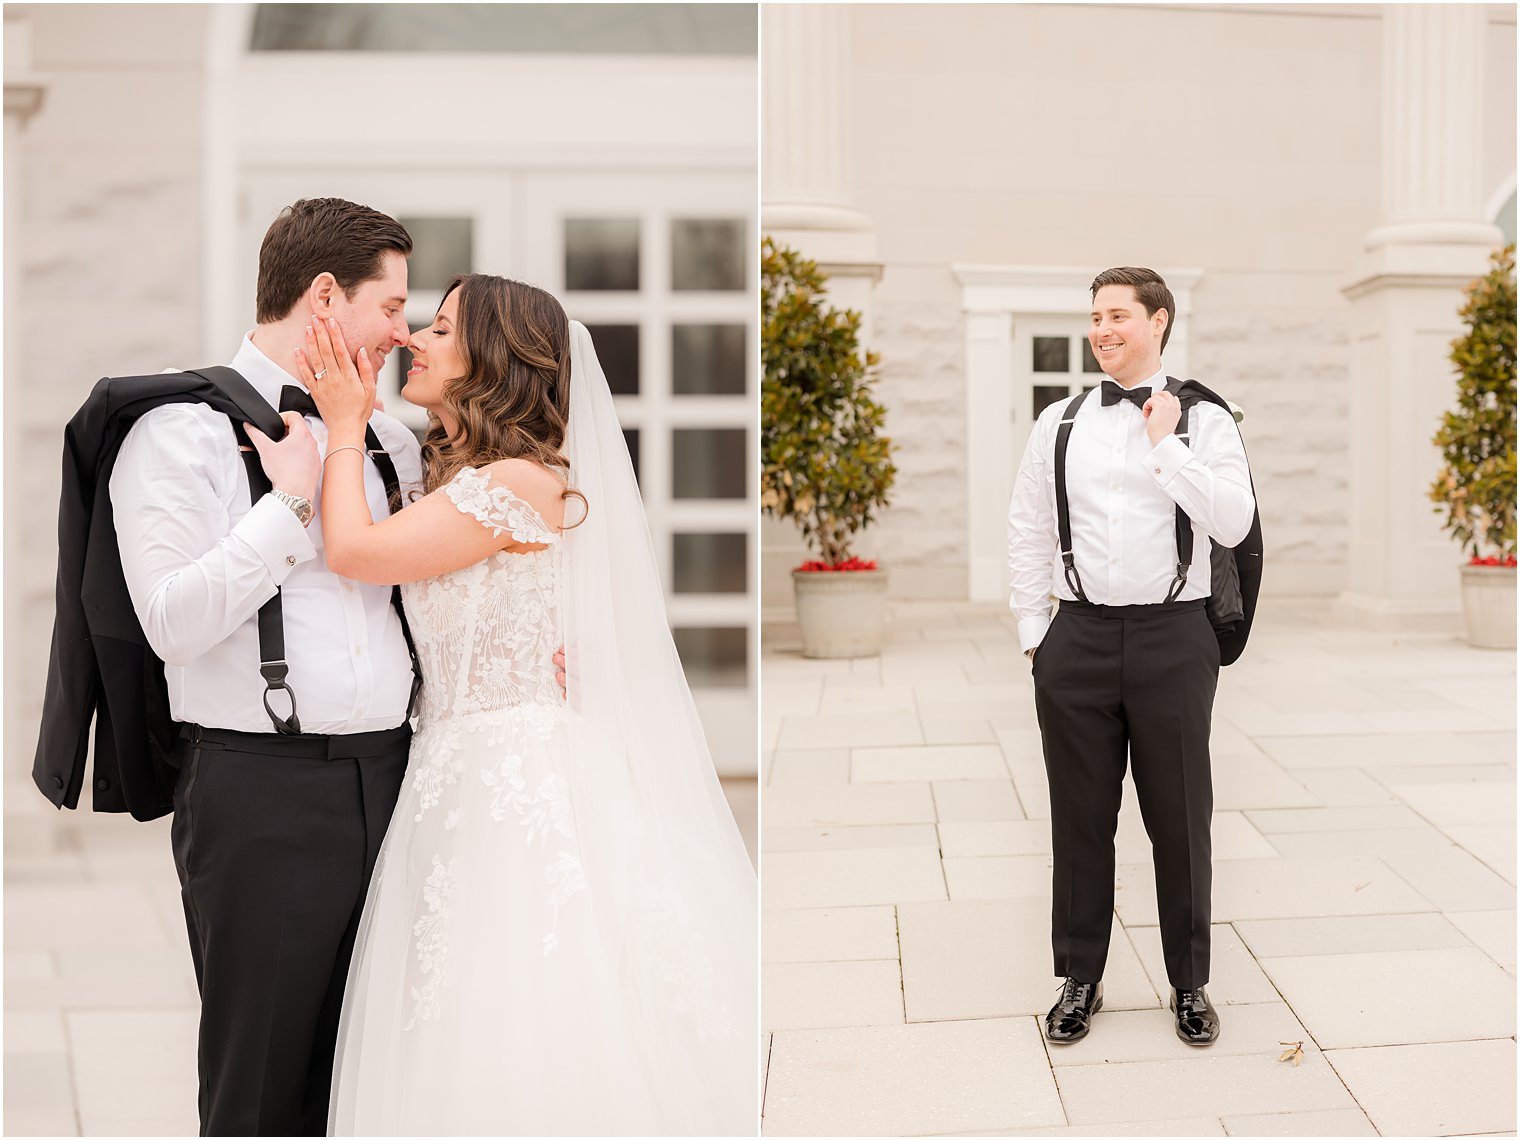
x=995, y=298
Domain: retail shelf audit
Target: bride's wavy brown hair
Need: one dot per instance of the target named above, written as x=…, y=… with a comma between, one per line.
x=513, y=400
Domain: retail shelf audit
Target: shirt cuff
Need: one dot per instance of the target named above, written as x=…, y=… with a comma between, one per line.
x=1032, y=631
x=273, y=532
x=1167, y=458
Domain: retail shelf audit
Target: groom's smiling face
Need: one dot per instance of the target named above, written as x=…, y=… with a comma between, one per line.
x=375, y=319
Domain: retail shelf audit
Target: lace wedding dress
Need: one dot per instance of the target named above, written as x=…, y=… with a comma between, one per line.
x=530, y=961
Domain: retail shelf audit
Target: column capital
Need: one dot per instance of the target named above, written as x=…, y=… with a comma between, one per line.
x=23, y=88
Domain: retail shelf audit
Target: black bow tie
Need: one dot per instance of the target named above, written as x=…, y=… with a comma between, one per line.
x=1112, y=394
x=293, y=399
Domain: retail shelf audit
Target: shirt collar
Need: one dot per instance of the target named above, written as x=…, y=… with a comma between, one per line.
x=265, y=375
x=1155, y=383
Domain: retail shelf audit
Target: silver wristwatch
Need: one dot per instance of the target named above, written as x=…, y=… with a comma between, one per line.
x=302, y=507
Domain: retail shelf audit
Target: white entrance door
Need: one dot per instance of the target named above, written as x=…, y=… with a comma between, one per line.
x=658, y=264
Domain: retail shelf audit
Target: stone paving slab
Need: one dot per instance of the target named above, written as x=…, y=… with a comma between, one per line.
x=910, y=1080
x=100, y=1012
x=1364, y=865
x=825, y=995
x=993, y=959
x=1454, y=1089
x=1326, y=1122
x=849, y=934
x=1442, y=995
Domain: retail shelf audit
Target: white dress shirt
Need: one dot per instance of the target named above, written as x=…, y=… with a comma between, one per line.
x=1123, y=494
x=199, y=562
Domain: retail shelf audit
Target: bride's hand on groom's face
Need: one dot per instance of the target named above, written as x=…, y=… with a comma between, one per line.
x=342, y=388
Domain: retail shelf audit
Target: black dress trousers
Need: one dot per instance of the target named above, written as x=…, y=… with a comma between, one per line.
x=275, y=838
x=1129, y=682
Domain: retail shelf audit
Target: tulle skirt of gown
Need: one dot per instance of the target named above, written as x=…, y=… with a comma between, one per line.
x=493, y=992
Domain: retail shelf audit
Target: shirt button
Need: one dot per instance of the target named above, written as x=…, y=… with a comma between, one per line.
x=349, y=586
x=290, y=560
x=1157, y=470
x=357, y=651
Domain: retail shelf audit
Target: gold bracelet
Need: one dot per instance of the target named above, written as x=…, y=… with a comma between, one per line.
x=345, y=447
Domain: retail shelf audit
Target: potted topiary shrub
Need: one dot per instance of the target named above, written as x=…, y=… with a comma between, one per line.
x=1476, y=485
x=825, y=463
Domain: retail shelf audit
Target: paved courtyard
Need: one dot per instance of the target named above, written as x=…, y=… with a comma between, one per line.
x=1364, y=899
x=100, y=1003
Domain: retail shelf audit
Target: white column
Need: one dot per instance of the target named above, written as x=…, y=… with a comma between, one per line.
x=805, y=197
x=1433, y=239
x=29, y=822
x=805, y=152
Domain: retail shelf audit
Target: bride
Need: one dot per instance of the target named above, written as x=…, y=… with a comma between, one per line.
x=560, y=936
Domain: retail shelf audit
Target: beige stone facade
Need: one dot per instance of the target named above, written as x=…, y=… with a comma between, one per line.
x=998, y=156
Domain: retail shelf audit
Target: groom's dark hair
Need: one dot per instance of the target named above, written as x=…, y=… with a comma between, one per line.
x=1150, y=291
x=323, y=235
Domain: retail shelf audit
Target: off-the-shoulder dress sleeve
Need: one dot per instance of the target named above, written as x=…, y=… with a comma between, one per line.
x=495, y=506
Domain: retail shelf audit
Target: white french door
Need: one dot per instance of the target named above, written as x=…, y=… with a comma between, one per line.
x=658, y=264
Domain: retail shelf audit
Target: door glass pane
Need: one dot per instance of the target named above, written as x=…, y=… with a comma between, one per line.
x=1050, y=354
x=709, y=463
x=713, y=656
x=707, y=254
x=1089, y=361
x=1047, y=394
x=631, y=438
x=711, y=563
x=708, y=360
x=617, y=347
x=441, y=250
x=602, y=253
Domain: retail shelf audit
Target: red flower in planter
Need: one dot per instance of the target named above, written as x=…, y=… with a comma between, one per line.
x=848, y=564
x=1492, y=560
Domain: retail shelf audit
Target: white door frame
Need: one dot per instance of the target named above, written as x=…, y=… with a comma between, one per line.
x=995, y=299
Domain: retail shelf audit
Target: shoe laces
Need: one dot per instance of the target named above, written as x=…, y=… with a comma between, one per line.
x=1075, y=992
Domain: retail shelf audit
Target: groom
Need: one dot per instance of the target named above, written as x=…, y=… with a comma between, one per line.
x=1125, y=671
x=274, y=834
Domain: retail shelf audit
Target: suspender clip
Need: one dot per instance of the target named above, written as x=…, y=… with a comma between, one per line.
x=274, y=673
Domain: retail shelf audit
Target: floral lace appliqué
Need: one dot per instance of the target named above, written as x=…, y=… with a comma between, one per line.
x=545, y=813
x=432, y=934
x=497, y=507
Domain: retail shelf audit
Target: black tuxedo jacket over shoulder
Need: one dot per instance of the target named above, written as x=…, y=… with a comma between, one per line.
x=102, y=668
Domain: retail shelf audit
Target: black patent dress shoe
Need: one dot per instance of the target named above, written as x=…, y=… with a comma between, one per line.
x=1197, y=1022
x=1071, y=1017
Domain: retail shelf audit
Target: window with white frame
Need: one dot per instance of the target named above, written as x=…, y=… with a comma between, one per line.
x=1026, y=348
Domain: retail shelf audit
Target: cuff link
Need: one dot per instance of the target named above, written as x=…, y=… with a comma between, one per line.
x=290, y=560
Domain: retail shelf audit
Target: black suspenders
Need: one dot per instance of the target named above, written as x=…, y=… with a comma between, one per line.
x=1063, y=511
x=1184, y=525
x=272, y=664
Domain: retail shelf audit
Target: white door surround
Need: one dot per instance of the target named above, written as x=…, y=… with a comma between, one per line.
x=1005, y=305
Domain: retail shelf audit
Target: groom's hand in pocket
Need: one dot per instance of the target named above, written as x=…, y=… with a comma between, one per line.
x=291, y=464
